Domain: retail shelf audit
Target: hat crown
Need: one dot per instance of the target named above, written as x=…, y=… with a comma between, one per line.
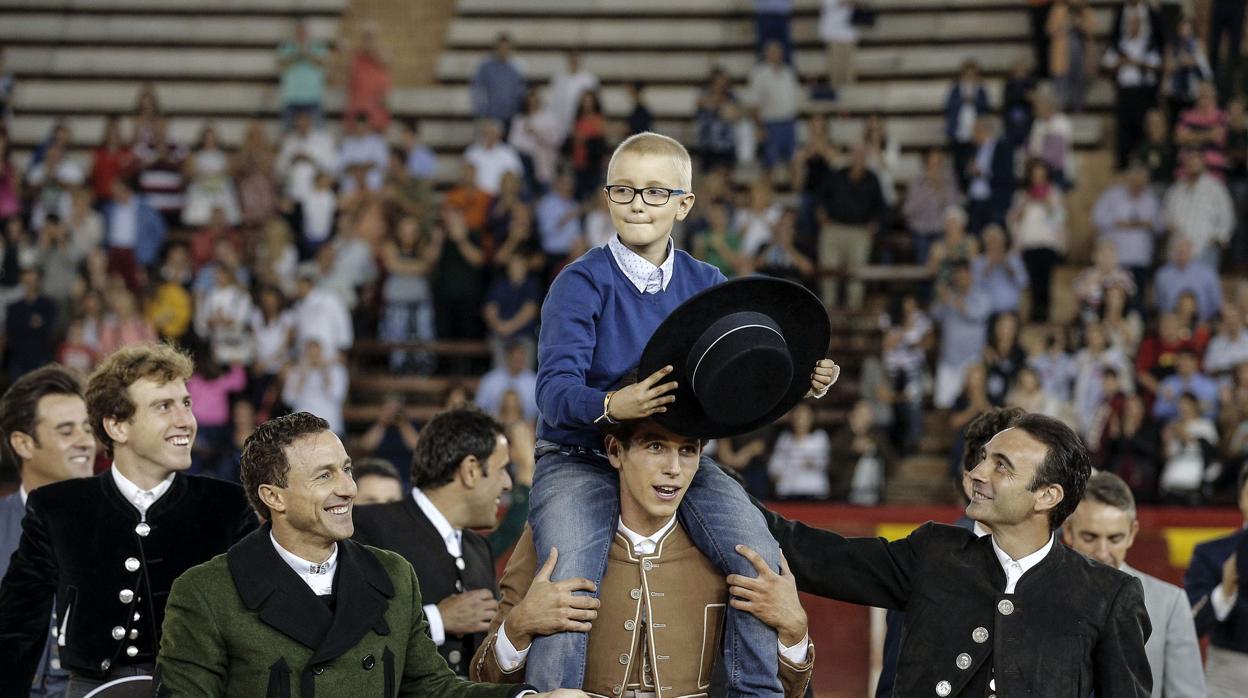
x=740, y=367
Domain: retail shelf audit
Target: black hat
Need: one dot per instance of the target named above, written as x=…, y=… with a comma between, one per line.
x=741, y=353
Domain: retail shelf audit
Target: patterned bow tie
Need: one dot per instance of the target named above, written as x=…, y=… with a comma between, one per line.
x=318, y=569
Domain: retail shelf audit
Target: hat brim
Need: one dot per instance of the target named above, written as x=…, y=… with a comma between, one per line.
x=802, y=318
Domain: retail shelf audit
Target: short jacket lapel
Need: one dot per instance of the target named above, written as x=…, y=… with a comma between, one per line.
x=363, y=590
x=268, y=586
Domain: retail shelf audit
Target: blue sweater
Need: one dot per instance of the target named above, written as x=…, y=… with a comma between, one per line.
x=595, y=324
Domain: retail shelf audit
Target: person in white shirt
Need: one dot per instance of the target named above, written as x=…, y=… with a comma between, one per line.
x=321, y=315
x=364, y=147
x=800, y=459
x=318, y=384
x=492, y=157
x=837, y=30
x=1199, y=209
x=304, y=152
x=775, y=93
x=566, y=87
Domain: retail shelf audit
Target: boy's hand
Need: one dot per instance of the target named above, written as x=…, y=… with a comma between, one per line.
x=825, y=374
x=643, y=399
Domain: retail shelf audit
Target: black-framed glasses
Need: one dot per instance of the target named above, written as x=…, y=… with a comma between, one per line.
x=651, y=196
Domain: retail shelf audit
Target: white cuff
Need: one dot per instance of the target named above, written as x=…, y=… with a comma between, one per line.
x=1221, y=606
x=509, y=658
x=797, y=653
x=821, y=393
x=436, y=630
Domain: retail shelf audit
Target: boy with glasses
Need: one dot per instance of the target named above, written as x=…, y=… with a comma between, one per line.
x=597, y=318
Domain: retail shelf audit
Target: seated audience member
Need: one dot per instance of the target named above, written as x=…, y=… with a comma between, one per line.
x=1003, y=356
x=999, y=272
x=1185, y=274
x=862, y=459
x=1229, y=347
x=1091, y=362
x=1189, y=440
x=1157, y=151
x=954, y=246
x=781, y=258
x=317, y=383
x=491, y=157
x=1103, y=527
x=1199, y=210
x=653, y=546
x=800, y=458
x=377, y=481
x=1092, y=283
x=1128, y=216
x=513, y=374
x=1187, y=379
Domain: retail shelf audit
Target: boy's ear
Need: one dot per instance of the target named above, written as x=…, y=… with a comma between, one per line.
x=684, y=206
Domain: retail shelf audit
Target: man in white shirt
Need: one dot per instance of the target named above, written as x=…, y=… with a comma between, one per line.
x=492, y=157
x=1199, y=209
x=304, y=152
x=297, y=607
x=321, y=314
x=566, y=88
x=775, y=93
x=107, y=548
x=1103, y=527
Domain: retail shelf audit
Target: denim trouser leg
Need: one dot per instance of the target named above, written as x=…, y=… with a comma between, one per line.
x=718, y=516
x=574, y=506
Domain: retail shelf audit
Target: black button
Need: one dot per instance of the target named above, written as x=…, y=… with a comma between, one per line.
x=368, y=663
x=318, y=669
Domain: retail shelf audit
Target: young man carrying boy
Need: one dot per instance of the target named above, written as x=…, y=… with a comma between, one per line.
x=596, y=320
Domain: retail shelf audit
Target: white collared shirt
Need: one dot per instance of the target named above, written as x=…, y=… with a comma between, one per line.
x=510, y=659
x=1015, y=569
x=980, y=531
x=318, y=576
x=453, y=539
x=141, y=499
x=21, y=492
x=644, y=275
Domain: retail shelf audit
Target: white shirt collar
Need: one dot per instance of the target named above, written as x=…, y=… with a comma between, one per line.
x=645, y=545
x=141, y=499
x=644, y=275
x=452, y=537
x=318, y=577
x=21, y=492
x=1022, y=565
x=980, y=531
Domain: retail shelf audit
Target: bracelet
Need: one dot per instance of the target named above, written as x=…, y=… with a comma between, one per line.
x=606, y=410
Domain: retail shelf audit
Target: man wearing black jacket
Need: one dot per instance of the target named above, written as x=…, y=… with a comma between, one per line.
x=1010, y=613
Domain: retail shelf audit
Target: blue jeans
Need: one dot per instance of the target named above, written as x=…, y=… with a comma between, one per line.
x=574, y=506
x=780, y=144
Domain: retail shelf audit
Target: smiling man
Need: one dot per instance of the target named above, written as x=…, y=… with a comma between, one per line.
x=296, y=608
x=108, y=548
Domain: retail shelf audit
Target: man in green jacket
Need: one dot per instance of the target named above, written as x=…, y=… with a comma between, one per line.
x=296, y=608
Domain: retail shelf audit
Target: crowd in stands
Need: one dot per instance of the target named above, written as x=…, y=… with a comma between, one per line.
x=269, y=260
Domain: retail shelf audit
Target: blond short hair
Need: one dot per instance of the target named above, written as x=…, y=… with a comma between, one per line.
x=650, y=143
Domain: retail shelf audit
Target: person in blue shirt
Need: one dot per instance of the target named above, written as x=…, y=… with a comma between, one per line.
x=597, y=318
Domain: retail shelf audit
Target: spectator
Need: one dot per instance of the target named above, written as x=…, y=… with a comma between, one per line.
x=1038, y=11
x=1016, y=102
x=276, y=260
x=405, y=195
x=1195, y=328
x=272, y=327
x=1226, y=18
x=135, y=233
x=1187, y=67
x=511, y=308
x=368, y=81
x=781, y=257
x=1028, y=393
x=169, y=307
x=1122, y=322
x=317, y=384
x=640, y=118
x=1233, y=419
x=558, y=217
x=60, y=136
x=30, y=326
x=146, y=113
x=1135, y=63
x=216, y=231
x=1189, y=442
x=1187, y=379
x=318, y=211
x=8, y=84
x=162, y=180
x=586, y=146
x=85, y=225
x=535, y=137
x=19, y=253
x=748, y=456
x=720, y=243
x=491, y=158
x=422, y=162
x=972, y=401
x=1203, y=127
x=1003, y=357
x=302, y=62
x=1229, y=348
x=362, y=147
x=848, y=220
x=457, y=287
x=1038, y=225
x=109, y=161
x=864, y=459
x=775, y=96
x=74, y=352
x=1094, y=282
x=989, y=177
x=840, y=38
x=498, y=87
x=210, y=388
x=223, y=317
x=966, y=104
x=50, y=183
x=1121, y=438
x=999, y=272
x=904, y=363
x=598, y=226
x=392, y=436
x=566, y=87
x=211, y=186
x=929, y=195
x=305, y=152
x=468, y=200
x=347, y=264
x=10, y=180
x=754, y=223
x=519, y=240
x=1127, y=216
x=800, y=458
x=1186, y=275
x=1157, y=152
x=883, y=155
x=1199, y=210
x=1097, y=356
x=1055, y=368
x=377, y=481
x=771, y=23
x=59, y=260
x=407, y=301
x=256, y=176
x=124, y=325
x=962, y=312
x=513, y=375
x=1052, y=137
x=91, y=315
x=715, y=122
x=1152, y=27
x=320, y=315
x=1072, y=54
x=812, y=167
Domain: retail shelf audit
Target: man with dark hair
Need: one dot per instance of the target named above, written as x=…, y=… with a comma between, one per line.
x=108, y=548
x=297, y=607
x=998, y=613
x=459, y=472
x=45, y=434
x=1217, y=586
x=30, y=326
x=377, y=481
x=1103, y=527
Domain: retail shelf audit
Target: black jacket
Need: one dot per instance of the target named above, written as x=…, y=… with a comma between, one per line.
x=1072, y=626
x=1203, y=575
x=403, y=528
x=82, y=545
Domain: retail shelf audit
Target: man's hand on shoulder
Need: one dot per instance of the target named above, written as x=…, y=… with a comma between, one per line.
x=551, y=607
x=771, y=597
